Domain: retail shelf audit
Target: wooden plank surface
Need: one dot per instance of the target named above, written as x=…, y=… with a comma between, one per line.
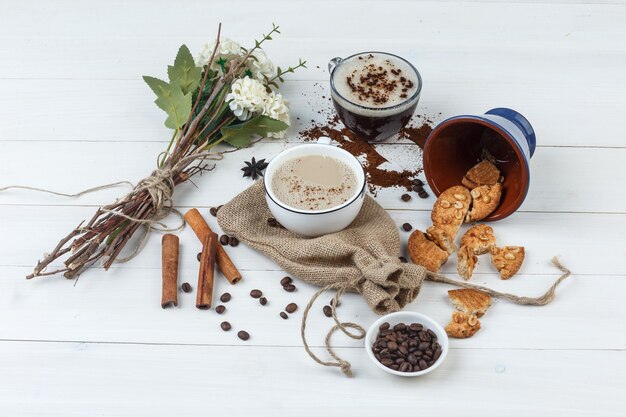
x=75, y=114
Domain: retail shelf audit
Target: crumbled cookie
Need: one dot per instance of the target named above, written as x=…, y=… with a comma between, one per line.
x=483, y=173
x=466, y=262
x=441, y=238
x=425, y=252
x=462, y=325
x=470, y=301
x=485, y=199
x=479, y=238
x=507, y=260
x=449, y=211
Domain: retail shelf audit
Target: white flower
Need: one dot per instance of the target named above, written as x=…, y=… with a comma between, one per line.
x=276, y=107
x=247, y=96
x=260, y=67
x=228, y=49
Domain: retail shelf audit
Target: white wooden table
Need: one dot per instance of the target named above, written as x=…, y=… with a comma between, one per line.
x=75, y=113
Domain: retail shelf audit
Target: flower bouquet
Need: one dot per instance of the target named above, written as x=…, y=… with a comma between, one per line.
x=226, y=94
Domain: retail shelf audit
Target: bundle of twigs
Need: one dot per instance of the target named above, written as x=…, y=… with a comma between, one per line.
x=210, y=122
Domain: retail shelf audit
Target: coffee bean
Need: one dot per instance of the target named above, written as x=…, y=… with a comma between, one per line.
x=418, y=188
x=405, y=367
x=186, y=287
x=395, y=367
x=332, y=303
x=387, y=362
x=411, y=359
x=286, y=281
x=437, y=354
x=400, y=327
x=256, y=293
x=262, y=301
x=272, y=222
x=418, y=182
x=213, y=211
x=289, y=288
x=431, y=334
x=224, y=240
x=233, y=241
x=423, y=346
x=328, y=311
x=403, y=259
x=422, y=364
x=291, y=307
x=225, y=326
x=198, y=256
x=384, y=326
x=423, y=194
x=407, y=227
x=405, y=197
x=284, y=315
x=416, y=327
x=220, y=309
x=243, y=335
x=403, y=350
x=225, y=297
x=423, y=336
x=392, y=346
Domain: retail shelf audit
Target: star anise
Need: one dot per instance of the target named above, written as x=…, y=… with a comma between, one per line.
x=254, y=168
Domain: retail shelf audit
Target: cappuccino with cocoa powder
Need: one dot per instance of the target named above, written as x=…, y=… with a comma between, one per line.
x=314, y=182
x=374, y=93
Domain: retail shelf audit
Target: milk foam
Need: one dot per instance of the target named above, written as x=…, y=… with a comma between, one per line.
x=359, y=66
x=314, y=182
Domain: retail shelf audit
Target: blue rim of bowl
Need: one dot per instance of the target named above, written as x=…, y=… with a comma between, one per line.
x=356, y=196
x=434, y=366
x=510, y=139
x=413, y=97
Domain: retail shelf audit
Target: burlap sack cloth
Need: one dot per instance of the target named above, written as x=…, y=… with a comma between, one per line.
x=361, y=258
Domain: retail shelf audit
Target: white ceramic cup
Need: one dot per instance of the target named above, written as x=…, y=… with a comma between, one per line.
x=315, y=222
x=407, y=317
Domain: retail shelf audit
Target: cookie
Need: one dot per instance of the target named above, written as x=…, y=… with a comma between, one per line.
x=462, y=325
x=425, y=252
x=483, y=173
x=485, y=199
x=441, y=238
x=508, y=260
x=470, y=301
x=466, y=262
x=449, y=211
x=479, y=238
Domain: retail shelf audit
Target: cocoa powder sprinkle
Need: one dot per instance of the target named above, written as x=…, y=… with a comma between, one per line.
x=377, y=178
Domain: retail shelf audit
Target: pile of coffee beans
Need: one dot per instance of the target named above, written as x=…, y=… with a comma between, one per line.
x=418, y=187
x=289, y=308
x=406, y=347
x=229, y=240
x=287, y=284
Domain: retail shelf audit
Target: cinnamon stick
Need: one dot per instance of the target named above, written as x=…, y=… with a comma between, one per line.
x=206, y=274
x=169, y=265
x=202, y=229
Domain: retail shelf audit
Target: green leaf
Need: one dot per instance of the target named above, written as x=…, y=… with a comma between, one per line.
x=170, y=98
x=184, y=72
x=240, y=135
